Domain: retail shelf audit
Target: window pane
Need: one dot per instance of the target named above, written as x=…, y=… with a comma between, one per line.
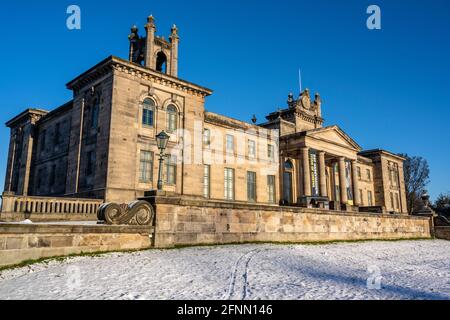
x=206, y=181
x=229, y=184
x=251, y=186
x=271, y=188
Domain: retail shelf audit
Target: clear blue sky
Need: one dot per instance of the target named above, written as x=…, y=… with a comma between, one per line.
x=388, y=89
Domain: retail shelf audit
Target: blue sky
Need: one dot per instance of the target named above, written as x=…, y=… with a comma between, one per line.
x=387, y=88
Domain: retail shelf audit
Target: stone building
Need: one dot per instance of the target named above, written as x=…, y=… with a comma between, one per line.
x=102, y=144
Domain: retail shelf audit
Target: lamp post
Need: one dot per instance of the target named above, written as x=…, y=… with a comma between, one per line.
x=161, y=140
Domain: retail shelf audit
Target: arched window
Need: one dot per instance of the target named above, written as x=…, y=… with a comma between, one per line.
x=148, y=112
x=161, y=62
x=171, y=118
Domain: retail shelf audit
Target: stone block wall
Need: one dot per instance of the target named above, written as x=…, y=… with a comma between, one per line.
x=19, y=242
x=188, y=222
x=442, y=233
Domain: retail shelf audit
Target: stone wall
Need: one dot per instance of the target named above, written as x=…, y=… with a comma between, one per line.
x=442, y=233
x=181, y=221
x=20, y=242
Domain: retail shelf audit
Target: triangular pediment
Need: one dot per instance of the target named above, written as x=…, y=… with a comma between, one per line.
x=334, y=135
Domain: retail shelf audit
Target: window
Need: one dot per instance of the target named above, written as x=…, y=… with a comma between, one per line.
x=161, y=62
x=361, y=197
x=229, y=184
x=251, y=186
x=171, y=118
x=146, y=167
x=207, y=181
x=43, y=142
x=94, y=113
x=358, y=169
x=369, y=199
x=369, y=175
x=57, y=134
x=52, y=177
x=90, y=163
x=397, y=202
x=271, y=188
x=392, y=201
x=271, y=152
x=230, y=143
x=251, y=149
x=148, y=113
x=207, y=137
x=171, y=170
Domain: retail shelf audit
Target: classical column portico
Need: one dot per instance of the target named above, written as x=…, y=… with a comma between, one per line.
x=306, y=172
x=342, y=181
x=356, y=195
x=323, y=176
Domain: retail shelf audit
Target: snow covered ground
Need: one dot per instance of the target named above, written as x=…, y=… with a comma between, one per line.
x=368, y=270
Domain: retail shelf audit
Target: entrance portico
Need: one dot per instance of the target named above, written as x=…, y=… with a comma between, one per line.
x=325, y=163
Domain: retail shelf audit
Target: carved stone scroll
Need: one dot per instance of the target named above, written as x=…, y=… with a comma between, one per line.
x=139, y=213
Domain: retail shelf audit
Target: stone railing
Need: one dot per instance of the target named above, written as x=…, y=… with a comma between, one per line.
x=13, y=205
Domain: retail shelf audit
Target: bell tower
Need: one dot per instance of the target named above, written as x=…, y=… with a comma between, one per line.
x=155, y=52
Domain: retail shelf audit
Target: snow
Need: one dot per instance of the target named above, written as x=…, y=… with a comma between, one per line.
x=401, y=270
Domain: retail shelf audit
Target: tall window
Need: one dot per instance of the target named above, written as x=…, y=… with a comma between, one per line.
x=148, y=113
x=207, y=137
x=369, y=175
x=171, y=170
x=146, y=167
x=171, y=118
x=270, y=152
x=207, y=181
x=271, y=188
x=230, y=143
x=392, y=201
x=369, y=198
x=361, y=196
x=358, y=169
x=229, y=184
x=94, y=113
x=397, y=202
x=251, y=149
x=90, y=166
x=57, y=134
x=251, y=186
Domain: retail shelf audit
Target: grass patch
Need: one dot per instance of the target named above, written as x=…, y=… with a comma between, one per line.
x=306, y=243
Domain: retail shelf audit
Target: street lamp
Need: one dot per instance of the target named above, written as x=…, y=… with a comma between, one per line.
x=161, y=140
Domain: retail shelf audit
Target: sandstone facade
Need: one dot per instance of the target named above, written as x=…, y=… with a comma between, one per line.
x=102, y=144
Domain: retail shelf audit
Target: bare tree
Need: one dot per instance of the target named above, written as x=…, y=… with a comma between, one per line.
x=417, y=174
x=442, y=204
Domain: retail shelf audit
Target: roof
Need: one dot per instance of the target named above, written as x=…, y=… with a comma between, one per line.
x=374, y=152
x=24, y=114
x=335, y=128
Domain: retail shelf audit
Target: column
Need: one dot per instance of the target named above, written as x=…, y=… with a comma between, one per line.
x=355, y=180
x=342, y=181
x=150, y=40
x=323, y=175
x=306, y=172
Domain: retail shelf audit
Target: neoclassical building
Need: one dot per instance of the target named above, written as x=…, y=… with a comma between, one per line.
x=102, y=143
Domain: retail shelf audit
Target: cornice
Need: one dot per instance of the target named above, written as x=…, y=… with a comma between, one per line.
x=122, y=66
